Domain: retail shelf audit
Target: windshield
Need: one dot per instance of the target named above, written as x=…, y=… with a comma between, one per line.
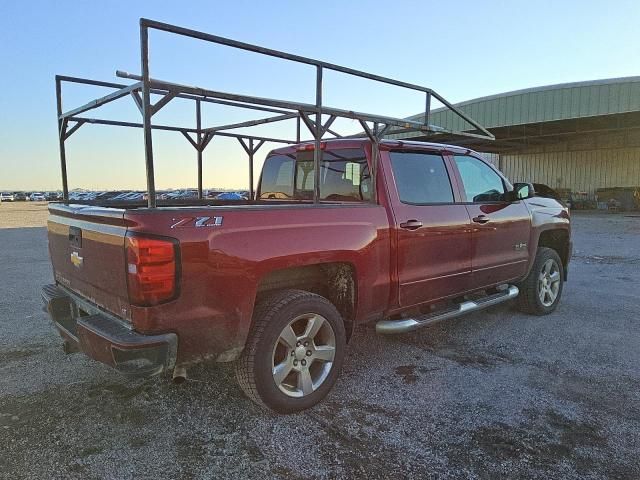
x=344, y=176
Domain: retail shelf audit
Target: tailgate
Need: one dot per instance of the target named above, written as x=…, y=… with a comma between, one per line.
x=86, y=245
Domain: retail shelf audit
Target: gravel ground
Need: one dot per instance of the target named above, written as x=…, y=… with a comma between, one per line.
x=497, y=394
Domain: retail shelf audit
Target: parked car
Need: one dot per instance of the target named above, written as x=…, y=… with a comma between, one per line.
x=37, y=197
x=278, y=286
x=182, y=194
x=7, y=197
x=229, y=196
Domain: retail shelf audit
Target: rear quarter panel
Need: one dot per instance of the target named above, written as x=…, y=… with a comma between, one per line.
x=223, y=265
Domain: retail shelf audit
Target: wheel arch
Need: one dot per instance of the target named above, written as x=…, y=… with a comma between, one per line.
x=558, y=240
x=336, y=281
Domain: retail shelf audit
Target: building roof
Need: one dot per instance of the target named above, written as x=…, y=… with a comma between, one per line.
x=541, y=105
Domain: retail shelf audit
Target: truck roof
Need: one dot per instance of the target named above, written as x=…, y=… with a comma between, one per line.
x=360, y=141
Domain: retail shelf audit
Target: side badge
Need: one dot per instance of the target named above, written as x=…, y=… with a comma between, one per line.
x=197, y=222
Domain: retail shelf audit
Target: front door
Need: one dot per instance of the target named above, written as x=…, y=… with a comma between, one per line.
x=433, y=232
x=501, y=229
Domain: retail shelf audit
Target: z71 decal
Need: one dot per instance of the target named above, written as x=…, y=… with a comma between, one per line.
x=197, y=222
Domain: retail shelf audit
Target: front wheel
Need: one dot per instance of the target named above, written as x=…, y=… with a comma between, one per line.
x=540, y=292
x=294, y=353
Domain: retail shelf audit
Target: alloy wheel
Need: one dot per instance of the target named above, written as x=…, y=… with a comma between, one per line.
x=549, y=282
x=303, y=355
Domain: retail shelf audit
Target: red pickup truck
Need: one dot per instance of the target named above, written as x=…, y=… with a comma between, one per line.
x=336, y=233
x=277, y=285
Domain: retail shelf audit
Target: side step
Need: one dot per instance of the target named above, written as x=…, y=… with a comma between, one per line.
x=410, y=324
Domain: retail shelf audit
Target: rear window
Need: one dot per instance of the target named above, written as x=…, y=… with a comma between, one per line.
x=344, y=176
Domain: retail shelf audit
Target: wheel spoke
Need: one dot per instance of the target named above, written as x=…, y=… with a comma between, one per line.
x=541, y=292
x=282, y=371
x=314, y=324
x=304, y=382
x=288, y=337
x=548, y=298
x=325, y=353
x=547, y=267
x=555, y=276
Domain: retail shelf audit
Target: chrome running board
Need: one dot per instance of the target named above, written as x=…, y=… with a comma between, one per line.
x=410, y=324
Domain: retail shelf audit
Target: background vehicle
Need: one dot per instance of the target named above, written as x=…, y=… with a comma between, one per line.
x=7, y=197
x=337, y=233
x=230, y=196
x=37, y=197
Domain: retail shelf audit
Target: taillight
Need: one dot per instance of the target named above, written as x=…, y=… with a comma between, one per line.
x=152, y=269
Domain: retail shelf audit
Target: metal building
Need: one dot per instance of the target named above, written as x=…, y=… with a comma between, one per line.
x=578, y=137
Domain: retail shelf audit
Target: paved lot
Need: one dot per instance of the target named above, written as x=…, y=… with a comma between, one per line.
x=496, y=394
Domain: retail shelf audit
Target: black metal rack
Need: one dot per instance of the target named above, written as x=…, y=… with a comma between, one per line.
x=374, y=126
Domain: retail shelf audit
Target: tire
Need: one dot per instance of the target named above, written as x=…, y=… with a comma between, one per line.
x=546, y=275
x=290, y=346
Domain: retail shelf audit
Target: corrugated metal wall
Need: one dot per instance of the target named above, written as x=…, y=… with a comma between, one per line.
x=544, y=104
x=580, y=171
x=492, y=158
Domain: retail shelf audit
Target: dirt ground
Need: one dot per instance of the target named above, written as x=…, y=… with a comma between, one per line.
x=497, y=394
x=23, y=214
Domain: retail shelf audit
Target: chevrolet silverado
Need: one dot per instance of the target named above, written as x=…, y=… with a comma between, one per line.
x=277, y=285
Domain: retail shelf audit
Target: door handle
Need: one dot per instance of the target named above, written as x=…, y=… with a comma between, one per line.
x=481, y=219
x=411, y=225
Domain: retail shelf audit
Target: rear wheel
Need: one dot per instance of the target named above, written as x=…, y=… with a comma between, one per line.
x=540, y=292
x=294, y=353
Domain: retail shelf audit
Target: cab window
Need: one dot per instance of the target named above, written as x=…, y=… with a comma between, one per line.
x=421, y=178
x=277, y=177
x=344, y=176
x=481, y=183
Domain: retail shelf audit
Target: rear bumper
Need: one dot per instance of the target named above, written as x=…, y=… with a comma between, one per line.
x=108, y=339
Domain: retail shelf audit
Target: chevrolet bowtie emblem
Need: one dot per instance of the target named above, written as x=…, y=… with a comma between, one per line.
x=76, y=260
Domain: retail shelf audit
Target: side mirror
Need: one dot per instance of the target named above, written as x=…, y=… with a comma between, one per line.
x=522, y=191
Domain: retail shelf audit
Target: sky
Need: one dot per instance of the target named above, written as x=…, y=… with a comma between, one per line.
x=461, y=49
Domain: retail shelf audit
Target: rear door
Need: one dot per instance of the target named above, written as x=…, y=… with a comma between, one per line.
x=500, y=229
x=86, y=245
x=433, y=231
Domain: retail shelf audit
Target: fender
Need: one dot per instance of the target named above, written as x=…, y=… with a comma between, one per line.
x=546, y=214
